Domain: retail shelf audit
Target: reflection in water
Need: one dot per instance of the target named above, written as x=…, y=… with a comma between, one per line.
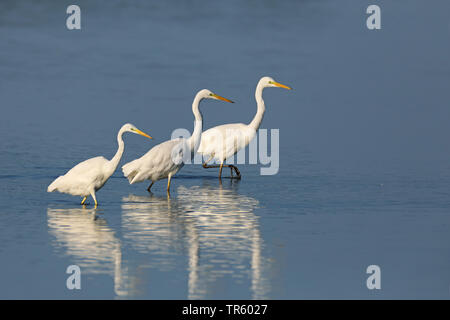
x=211, y=226
x=214, y=224
x=86, y=237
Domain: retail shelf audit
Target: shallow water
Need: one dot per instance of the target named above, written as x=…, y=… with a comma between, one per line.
x=364, y=172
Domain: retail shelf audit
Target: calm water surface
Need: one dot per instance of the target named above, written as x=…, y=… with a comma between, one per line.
x=364, y=156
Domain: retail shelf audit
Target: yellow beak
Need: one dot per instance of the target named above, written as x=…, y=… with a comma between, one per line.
x=281, y=85
x=222, y=98
x=143, y=134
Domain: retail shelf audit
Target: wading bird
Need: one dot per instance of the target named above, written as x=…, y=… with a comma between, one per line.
x=166, y=159
x=226, y=140
x=90, y=176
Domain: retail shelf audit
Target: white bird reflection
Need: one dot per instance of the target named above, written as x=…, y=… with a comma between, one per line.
x=214, y=225
x=210, y=231
x=80, y=233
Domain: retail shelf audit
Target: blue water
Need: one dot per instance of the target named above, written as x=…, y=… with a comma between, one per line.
x=364, y=174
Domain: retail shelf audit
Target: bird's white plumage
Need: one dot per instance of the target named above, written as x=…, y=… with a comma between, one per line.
x=86, y=176
x=160, y=161
x=226, y=140
x=89, y=176
x=166, y=159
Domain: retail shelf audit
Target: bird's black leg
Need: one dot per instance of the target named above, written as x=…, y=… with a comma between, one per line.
x=237, y=171
x=238, y=174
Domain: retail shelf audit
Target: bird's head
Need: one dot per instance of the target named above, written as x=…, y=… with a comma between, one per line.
x=128, y=127
x=206, y=94
x=269, y=82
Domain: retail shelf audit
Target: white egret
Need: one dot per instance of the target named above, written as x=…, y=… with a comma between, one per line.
x=90, y=175
x=226, y=140
x=166, y=159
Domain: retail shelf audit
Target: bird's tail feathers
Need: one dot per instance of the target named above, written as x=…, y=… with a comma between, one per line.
x=130, y=170
x=54, y=185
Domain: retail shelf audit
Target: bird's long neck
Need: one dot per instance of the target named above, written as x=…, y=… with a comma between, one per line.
x=194, y=140
x=256, y=122
x=114, y=162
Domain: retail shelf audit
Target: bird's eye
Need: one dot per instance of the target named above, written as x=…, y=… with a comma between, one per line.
x=211, y=94
x=270, y=82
